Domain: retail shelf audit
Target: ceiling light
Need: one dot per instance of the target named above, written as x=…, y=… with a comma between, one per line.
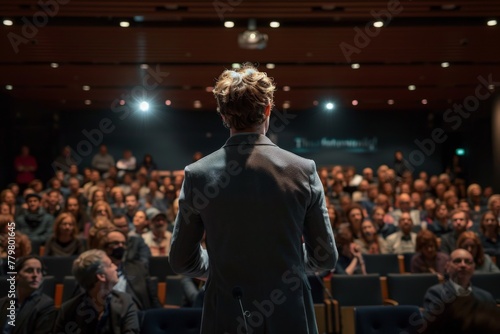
x=124, y=24
x=286, y=88
x=491, y=23
x=378, y=24
x=424, y=101
x=144, y=66
x=412, y=87
x=251, y=38
x=209, y=89
x=7, y=22
x=491, y=87
x=270, y=66
x=87, y=102
x=355, y=66
x=54, y=65
x=274, y=24
x=286, y=105
x=390, y=102
x=354, y=102
x=235, y=66
x=229, y=24
x=168, y=102
x=197, y=104
x=122, y=102
x=144, y=106
x=86, y=88
x=445, y=64
x=9, y=87
x=330, y=106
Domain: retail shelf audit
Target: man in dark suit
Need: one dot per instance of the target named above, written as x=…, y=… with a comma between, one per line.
x=441, y=301
x=99, y=309
x=28, y=310
x=263, y=211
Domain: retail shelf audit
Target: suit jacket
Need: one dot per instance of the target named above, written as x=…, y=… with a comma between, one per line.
x=445, y=312
x=256, y=203
x=78, y=313
x=36, y=316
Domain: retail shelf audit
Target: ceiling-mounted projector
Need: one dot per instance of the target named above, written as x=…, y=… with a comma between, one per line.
x=252, y=39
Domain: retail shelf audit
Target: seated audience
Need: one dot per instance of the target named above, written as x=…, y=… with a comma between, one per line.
x=8, y=198
x=441, y=223
x=141, y=222
x=133, y=275
x=100, y=309
x=136, y=247
x=404, y=240
x=469, y=241
x=158, y=238
x=100, y=227
x=490, y=234
x=383, y=228
x=35, y=222
x=350, y=260
x=74, y=207
x=428, y=259
x=459, y=220
x=34, y=311
x=355, y=216
x=22, y=242
x=440, y=297
x=370, y=242
x=64, y=241
x=404, y=205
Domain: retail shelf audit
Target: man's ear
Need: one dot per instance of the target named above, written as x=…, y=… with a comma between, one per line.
x=101, y=277
x=267, y=111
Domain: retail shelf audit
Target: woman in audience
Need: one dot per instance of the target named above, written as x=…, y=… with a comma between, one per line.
x=469, y=241
x=99, y=228
x=355, y=216
x=441, y=224
x=370, y=242
x=428, y=259
x=477, y=203
x=490, y=234
x=118, y=206
x=350, y=260
x=64, y=241
x=4, y=209
x=8, y=197
x=74, y=207
x=148, y=163
x=141, y=222
x=22, y=242
x=101, y=209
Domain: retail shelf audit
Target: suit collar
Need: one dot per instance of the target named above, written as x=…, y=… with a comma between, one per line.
x=248, y=139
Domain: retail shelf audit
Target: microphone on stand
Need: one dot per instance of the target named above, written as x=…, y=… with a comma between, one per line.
x=238, y=294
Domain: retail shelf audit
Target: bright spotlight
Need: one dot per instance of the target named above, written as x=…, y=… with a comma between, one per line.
x=144, y=106
x=330, y=106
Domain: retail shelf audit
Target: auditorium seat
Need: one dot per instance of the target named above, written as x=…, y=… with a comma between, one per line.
x=407, y=261
x=349, y=291
x=409, y=289
x=489, y=282
x=174, y=294
x=70, y=288
x=171, y=321
x=58, y=266
x=160, y=267
x=381, y=264
x=387, y=319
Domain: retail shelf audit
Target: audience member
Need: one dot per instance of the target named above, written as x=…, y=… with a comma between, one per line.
x=428, y=259
x=64, y=241
x=136, y=247
x=158, y=238
x=8, y=198
x=102, y=161
x=350, y=260
x=459, y=221
x=404, y=240
x=355, y=217
x=383, y=229
x=26, y=166
x=100, y=309
x=141, y=222
x=370, y=242
x=441, y=224
x=126, y=164
x=490, y=234
x=35, y=222
x=133, y=275
x=34, y=311
x=469, y=241
x=404, y=205
x=148, y=163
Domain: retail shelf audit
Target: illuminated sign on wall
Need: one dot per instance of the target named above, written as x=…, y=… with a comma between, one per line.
x=303, y=144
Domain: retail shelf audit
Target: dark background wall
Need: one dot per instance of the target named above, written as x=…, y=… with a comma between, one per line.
x=172, y=136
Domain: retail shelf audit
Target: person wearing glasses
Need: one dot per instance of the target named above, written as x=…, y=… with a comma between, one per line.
x=133, y=277
x=441, y=300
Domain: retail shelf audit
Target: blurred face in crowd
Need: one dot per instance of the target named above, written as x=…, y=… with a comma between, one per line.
x=33, y=204
x=442, y=212
x=459, y=221
x=53, y=198
x=429, y=250
x=405, y=223
x=121, y=224
x=140, y=219
x=368, y=230
x=66, y=228
x=131, y=203
x=73, y=206
x=461, y=266
x=489, y=222
x=101, y=211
